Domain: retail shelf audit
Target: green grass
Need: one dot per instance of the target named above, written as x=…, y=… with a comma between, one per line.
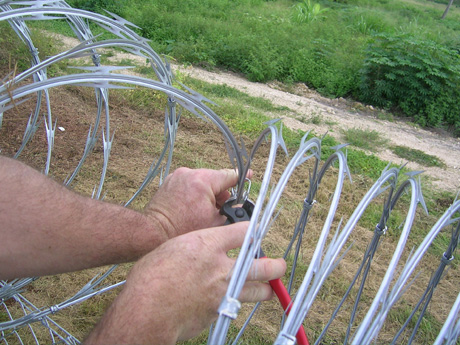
x=429, y=326
x=247, y=115
x=265, y=41
x=385, y=116
x=4, y=317
x=217, y=91
x=244, y=114
x=12, y=53
x=418, y=156
x=365, y=139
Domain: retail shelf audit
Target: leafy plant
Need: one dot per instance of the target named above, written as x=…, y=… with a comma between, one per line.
x=307, y=12
x=419, y=78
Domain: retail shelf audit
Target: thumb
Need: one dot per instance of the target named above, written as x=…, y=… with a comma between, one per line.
x=231, y=236
x=221, y=180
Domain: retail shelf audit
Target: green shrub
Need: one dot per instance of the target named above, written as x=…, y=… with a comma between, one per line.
x=419, y=78
x=330, y=65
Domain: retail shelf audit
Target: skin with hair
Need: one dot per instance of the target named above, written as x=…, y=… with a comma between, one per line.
x=173, y=291
x=169, y=281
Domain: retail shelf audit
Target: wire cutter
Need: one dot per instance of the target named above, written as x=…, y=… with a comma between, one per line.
x=240, y=213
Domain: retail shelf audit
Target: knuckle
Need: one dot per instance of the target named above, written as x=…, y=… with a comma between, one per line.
x=198, y=180
x=268, y=269
x=256, y=292
x=252, y=293
x=181, y=171
x=263, y=269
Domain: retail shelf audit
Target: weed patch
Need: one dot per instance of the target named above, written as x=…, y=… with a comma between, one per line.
x=418, y=156
x=365, y=139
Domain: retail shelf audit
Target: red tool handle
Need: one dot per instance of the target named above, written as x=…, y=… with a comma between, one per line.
x=238, y=214
x=285, y=300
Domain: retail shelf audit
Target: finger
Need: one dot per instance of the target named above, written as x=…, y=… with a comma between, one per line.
x=221, y=180
x=254, y=292
x=224, y=195
x=230, y=236
x=222, y=198
x=267, y=269
x=218, y=220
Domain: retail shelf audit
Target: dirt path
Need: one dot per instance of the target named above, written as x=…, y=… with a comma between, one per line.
x=334, y=116
x=338, y=114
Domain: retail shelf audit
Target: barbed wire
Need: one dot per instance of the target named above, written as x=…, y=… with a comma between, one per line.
x=330, y=247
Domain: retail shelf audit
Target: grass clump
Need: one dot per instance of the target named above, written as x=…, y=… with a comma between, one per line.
x=365, y=139
x=315, y=119
x=418, y=156
x=385, y=116
x=367, y=165
x=307, y=11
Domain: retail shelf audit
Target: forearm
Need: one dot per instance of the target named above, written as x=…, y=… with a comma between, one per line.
x=123, y=323
x=46, y=228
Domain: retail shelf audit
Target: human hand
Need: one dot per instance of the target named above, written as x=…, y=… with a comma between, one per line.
x=173, y=292
x=189, y=199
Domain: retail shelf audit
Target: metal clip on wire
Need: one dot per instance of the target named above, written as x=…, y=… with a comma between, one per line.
x=445, y=260
x=230, y=307
x=307, y=205
x=381, y=231
x=240, y=193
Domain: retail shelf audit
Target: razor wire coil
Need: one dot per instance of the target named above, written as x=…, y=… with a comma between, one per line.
x=329, y=249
